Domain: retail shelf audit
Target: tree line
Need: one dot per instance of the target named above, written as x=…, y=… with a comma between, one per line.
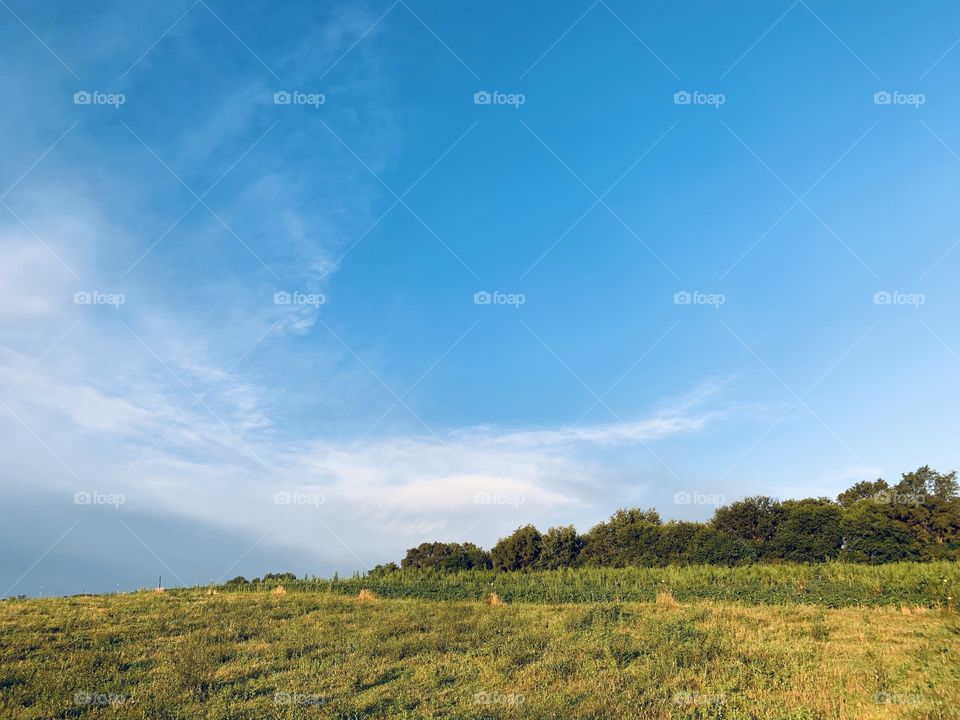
x=874, y=522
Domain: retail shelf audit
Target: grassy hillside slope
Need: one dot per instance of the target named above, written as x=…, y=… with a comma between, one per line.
x=307, y=654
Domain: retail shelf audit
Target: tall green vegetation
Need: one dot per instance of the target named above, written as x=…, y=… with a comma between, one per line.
x=446, y=556
x=871, y=522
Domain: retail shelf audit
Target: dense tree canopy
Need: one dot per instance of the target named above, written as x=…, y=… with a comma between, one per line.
x=519, y=550
x=753, y=519
x=446, y=556
x=559, y=547
x=871, y=522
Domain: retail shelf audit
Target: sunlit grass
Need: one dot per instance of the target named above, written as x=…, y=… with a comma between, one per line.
x=191, y=654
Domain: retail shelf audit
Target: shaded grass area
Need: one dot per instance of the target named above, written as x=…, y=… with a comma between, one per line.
x=320, y=655
x=934, y=584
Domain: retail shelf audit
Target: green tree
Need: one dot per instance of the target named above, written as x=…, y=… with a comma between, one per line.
x=926, y=481
x=517, y=551
x=629, y=537
x=872, y=535
x=927, y=502
x=560, y=547
x=385, y=569
x=710, y=546
x=808, y=531
x=753, y=519
x=864, y=490
x=447, y=557
x=676, y=542
x=280, y=577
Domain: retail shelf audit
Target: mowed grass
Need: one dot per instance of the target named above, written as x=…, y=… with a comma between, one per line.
x=192, y=654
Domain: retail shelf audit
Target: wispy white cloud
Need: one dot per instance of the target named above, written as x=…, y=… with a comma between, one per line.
x=151, y=441
x=141, y=402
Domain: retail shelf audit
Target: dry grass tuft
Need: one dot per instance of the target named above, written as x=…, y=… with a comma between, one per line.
x=366, y=596
x=666, y=600
x=493, y=599
x=279, y=590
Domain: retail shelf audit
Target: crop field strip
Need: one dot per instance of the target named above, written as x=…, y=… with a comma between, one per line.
x=934, y=584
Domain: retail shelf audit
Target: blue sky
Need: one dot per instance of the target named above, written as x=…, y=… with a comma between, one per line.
x=802, y=201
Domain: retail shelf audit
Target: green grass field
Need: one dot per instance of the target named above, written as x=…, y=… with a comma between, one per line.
x=313, y=653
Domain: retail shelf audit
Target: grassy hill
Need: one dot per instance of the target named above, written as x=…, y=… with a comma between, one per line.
x=311, y=653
